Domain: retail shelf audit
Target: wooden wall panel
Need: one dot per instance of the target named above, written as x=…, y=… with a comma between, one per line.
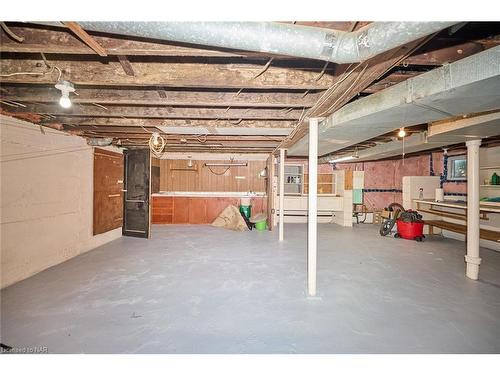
x=197, y=210
x=181, y=210
x=108, y=183
x=175, y=176
x=162, y=210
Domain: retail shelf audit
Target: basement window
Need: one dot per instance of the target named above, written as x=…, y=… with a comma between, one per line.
x=457, y=168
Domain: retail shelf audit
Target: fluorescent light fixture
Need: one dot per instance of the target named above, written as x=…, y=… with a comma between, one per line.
x=344, y=158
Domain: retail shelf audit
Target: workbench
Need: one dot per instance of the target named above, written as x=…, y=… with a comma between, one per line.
x=433, y=207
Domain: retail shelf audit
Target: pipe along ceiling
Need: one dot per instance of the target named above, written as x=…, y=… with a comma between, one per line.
x=279, y=38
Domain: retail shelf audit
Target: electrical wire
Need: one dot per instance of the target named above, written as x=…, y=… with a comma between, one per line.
x=218, y=174
x=10, y=33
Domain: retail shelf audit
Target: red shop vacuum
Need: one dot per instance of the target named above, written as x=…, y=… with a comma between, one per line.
x=409, y=223
x=410, y=226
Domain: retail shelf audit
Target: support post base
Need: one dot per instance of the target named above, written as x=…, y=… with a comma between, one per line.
x=472, y=268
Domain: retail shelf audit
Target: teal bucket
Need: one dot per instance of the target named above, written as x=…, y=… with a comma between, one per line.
x=246, y=211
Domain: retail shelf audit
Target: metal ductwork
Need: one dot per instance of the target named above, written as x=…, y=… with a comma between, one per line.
x=340, y=47
x=469, y=85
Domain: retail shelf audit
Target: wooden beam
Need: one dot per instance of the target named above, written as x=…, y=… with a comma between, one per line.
x=149, y=122
x=104, y=96
x=440, y=52
x=84, y=73
x=161, y=112
x=86, y=38
x=390, y=80
x=141, y=133
x=127, y=67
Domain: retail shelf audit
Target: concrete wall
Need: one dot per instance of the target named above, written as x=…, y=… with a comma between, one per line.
x=46, y=199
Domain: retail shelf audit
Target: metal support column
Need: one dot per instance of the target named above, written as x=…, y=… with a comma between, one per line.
x=472, y=258
x=282, y=193
x=312, y=216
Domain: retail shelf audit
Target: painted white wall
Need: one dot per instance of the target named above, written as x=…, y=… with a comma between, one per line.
x=46, y=199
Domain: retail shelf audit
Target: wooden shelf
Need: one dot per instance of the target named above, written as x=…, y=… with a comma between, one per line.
x=450, y=215
x=485, y=234
x=489, y=167
x=185, y=169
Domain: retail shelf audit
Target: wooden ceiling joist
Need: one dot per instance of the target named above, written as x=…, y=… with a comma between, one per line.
x=124, y=96
x=163, y=112
x=150, y=122
x=86, y=38
x=85, y=73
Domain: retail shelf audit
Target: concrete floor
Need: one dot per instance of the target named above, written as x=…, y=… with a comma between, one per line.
x=198, y=289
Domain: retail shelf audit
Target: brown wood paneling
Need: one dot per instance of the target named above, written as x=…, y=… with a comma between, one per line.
x=175, y=176
x=162, y=210
x=181, y=210
x=108, y=183
x=197, y=211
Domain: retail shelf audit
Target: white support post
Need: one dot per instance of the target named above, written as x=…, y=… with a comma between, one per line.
x=282, y=193
x=312, y=216
x=472, y=258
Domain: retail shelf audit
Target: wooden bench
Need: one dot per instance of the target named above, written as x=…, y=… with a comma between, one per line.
x=485, y=234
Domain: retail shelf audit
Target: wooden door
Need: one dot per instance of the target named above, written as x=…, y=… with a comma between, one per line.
x=136, y=217
x=108, y=184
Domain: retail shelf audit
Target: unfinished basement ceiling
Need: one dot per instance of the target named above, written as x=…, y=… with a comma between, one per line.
x=246, y=102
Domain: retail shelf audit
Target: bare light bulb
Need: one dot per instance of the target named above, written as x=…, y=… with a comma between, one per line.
x=155, y=139
x=401, y=133
x=65, y=102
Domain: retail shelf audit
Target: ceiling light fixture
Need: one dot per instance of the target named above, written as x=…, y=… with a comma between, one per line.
x=401, y=133
x=66, y=87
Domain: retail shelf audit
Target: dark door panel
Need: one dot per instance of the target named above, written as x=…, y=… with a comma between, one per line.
x=136, y=194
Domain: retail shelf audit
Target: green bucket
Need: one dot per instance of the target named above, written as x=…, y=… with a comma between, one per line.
x=261, y=225
x=246, y=211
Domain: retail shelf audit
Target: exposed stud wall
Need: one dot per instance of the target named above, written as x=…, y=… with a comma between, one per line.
x=46, y=199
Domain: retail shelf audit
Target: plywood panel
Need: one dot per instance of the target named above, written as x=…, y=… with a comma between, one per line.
x=197, y=211
x=181, y=210
x=108, y=183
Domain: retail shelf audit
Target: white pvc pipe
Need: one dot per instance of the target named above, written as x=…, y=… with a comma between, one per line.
x=282, y=193
x=472, y=258
x=312, y=217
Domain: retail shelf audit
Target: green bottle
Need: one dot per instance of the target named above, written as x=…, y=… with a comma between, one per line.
x=495, y=179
